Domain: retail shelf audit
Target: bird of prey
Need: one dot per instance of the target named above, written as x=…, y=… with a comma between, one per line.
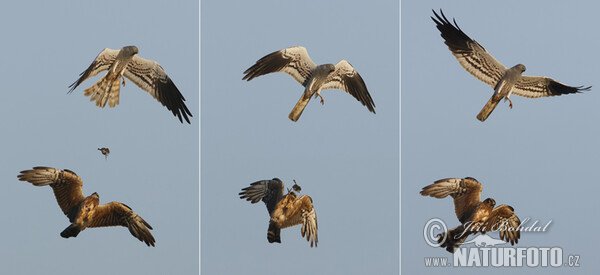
x=296, y=62
x=84, y=212
x=105, y=151
x=285, y=210
x=146, y=74
x=483, y=66
x=474, y=215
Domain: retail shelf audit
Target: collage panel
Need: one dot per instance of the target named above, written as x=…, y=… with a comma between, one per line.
x=94, y=190
x=528, y=165
x=337, y=163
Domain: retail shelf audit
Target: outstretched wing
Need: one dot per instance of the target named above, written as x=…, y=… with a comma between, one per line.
x=102, y=62
x=347, y=79
x=470, y=54
x=465, y=192
x=301, y=211
x=65, y=184
x=152, y=78
x=504, y=220
x=293, y=61
x=269, y=191
x=119, y=214
x=541, y=86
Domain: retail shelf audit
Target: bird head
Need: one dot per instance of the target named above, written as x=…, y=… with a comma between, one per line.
x=521, y=67
x=131, y=50
x=91, y=201
x=490, y=201
x=331, y=67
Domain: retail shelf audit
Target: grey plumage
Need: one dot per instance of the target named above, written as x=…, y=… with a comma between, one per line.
x=482, y=65
x=146, y=74
x=296, y=62
x=502, y=90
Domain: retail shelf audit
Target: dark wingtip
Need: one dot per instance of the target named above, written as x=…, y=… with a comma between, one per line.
x=582, y=88
x=557, y=88
x=72, y=87
x=247, y=75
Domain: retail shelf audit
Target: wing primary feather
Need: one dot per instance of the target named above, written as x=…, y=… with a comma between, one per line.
x=270, y=63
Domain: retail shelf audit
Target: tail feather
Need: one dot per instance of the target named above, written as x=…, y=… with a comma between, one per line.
x=299, y=108
x=488, y=108
x=451, y=240
x=71, y=231
x=273, y=233
x=107, y=89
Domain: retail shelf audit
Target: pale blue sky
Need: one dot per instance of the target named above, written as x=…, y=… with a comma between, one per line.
x=343, y=156
x=540, y=157
x=153, y=165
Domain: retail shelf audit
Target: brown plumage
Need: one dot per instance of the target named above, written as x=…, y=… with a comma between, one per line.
x=83, y=211
x=285, y=210
x=105, y=151
x=475, y=216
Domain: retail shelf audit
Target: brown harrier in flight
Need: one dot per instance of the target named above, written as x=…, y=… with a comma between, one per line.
x=296, y=62
x=83, y=211
x=482, y=65
x=475, y=216
x=285, y=210
x=146, y=74
x=105, y=151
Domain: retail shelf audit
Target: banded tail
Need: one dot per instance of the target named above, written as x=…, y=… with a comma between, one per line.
x=488, y=108
x=106, y=89
x=273, y=232
x=299, y=108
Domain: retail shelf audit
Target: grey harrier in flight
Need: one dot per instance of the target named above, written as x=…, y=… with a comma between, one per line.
x=296, y=62
x=146, y=74
x=285, y=210
x=482, y=65
x=84, y=212
x=105, y=151
x=474, y=215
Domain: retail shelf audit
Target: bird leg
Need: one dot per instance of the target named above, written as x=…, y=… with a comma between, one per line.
x=122, y=77
x=507, y=98
x=322, y=100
